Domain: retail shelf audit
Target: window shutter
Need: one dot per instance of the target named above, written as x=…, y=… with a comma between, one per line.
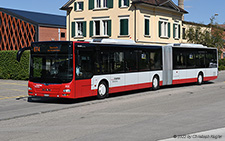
x=160, y=30
x=169, y=30
x=110, y=3
x=146, y=26
x=91, y=28
x=84, y=29
x=73, y=29
x=179, y=31
x=91, y=4
x=124, y=27
x=174, y=34
x=119, y=3
x=128, y=2
x=109, y=28
x=75, y=6
x=82, y=5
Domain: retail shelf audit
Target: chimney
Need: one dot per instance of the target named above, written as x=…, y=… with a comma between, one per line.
x=181, y=3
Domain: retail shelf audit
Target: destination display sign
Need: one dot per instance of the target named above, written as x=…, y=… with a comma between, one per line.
x=49, y=47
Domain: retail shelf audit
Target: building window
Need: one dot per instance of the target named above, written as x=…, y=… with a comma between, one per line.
x=164, y=29
x=124, y=26
x=184, y=33
x=105, y=27
x=97, y=3
x=79, y=29
x=124, y=3
x=147, y=26
x=176, y=31
x=100, y=4
x=63, y=35
x=97, y=27
x=101, y=27
x=79, y=6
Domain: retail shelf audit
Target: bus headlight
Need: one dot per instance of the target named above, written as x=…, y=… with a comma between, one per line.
x=29, y=88
x=67, y=90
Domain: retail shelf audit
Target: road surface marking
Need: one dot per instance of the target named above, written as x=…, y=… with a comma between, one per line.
x=18, y=90
x=5, y=83
x=13, y=97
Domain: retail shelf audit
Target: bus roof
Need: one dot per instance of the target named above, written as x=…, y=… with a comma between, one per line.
x=111, y=41
x=187, y=45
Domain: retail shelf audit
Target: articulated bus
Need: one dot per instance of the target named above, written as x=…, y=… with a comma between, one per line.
x=67, y=69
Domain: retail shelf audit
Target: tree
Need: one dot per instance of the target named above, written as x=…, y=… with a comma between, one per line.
x=211, y=36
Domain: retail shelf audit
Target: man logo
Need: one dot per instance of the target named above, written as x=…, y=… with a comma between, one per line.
x=46, y=90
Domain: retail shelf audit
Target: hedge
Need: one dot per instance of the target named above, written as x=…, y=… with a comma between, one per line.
x=11, y=69
x=222, y=64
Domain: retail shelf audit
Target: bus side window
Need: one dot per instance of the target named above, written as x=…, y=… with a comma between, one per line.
x=131, y=61
x=117, y=61
x=103, y=62
x=144, y=61
x=211, y=59
x=191, y=59
x=179, y=59
x=156, y=59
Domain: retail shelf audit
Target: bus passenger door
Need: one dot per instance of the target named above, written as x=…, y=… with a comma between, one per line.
x=131, y=68
x=83, y=71
x=117, y=78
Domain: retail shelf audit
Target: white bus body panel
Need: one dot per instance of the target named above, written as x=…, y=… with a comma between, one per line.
x=125, y=79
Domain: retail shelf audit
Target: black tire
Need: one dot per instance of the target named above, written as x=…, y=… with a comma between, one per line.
x=200, y=79
x=103, y=90
x=155, y=83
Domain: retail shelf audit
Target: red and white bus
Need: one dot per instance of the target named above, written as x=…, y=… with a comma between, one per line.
x=67, y=69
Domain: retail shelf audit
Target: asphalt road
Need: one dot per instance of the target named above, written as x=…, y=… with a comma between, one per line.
x=144, y=115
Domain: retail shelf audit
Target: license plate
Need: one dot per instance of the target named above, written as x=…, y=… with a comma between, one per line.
x=47, y=95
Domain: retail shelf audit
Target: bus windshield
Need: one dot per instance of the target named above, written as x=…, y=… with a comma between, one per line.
x=51, y=63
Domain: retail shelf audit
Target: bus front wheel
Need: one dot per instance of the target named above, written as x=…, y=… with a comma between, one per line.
x=102, y=90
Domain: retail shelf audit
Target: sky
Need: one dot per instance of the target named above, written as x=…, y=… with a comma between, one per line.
x=200, y=11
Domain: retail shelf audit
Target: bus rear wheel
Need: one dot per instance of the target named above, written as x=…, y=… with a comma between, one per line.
x=102, y=90
x=200, y=79
x=155, y=83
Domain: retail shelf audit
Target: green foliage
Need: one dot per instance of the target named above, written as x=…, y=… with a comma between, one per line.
x=211, y=36
x=11, y=69
x=222, y=64
x=206, y=37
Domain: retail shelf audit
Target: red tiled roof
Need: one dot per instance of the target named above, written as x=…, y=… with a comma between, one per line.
x=222, y=25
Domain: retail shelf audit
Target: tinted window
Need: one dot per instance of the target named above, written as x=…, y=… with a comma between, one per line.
x=211, y=59
x=191, y=59
x=156, y=59
x=144, y=61
x=200, y=59
x=131, y=64
x=179, y=59
x=117, y=61
x=84, y=64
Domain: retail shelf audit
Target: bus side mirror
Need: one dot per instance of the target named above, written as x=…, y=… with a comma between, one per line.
x=20, y=52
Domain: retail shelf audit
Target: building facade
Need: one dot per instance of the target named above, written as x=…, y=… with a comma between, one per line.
x=144, y=21
x=19, y=28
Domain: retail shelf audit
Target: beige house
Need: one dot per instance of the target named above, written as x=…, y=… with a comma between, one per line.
x=144, y=21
